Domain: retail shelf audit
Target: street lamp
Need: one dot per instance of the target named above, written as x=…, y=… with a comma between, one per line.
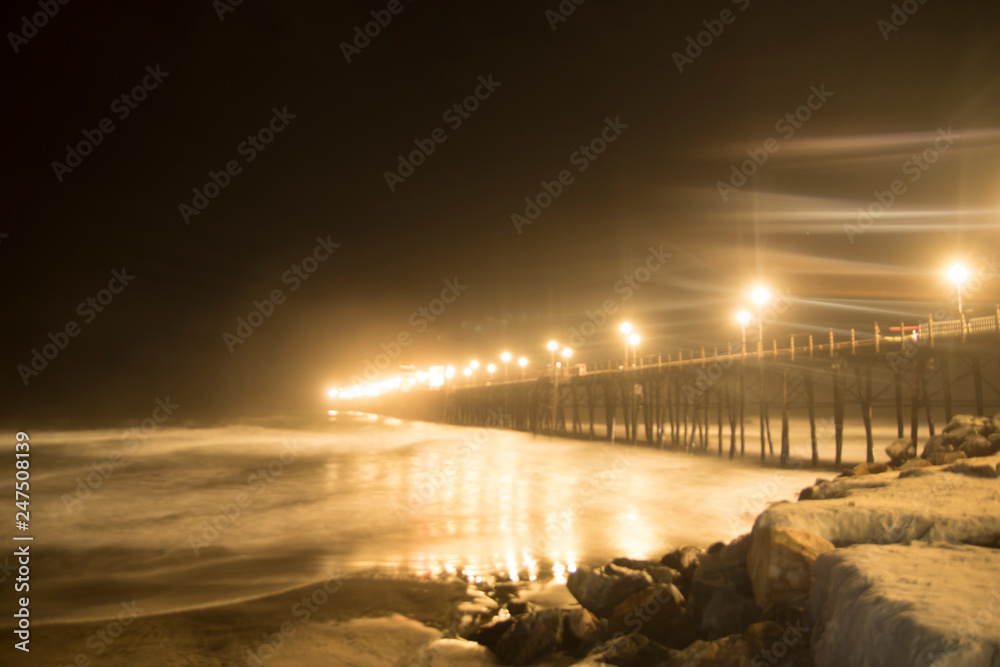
x=626, y=329
x=522, y=362
x=473, y=364
x=506, y=358
x=467, y=372
x=633, y=340
x=958, y=275
x=553, y=346
x=491, y=369
x=762, y=296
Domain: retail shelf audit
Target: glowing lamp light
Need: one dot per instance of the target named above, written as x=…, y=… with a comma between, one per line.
x=567, y=353
x=743, y=317
x=761, y=295
x=634, y=339
x=522, y=362
x=473, y=364
x=467, y=372
x=552, y=345
x=626, y=328
x=449, y=372
x=505, y=357
x=332, y=393
x=958, y=274
x=491, y=368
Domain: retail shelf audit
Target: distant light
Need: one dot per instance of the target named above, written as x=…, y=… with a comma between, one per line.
x=505, y=357
x=761, y=295
x=522, y=362
x=626, y=328
x=449, y=372
x=958, y=274
x=634, y=339
x=567, y=352
x=552, y=345
x=332, y=393
x=743, y=317
x=491, y=368
x=467, y=372
x=473, y=364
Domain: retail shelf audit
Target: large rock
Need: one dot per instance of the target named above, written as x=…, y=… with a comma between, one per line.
x=490, y=632
x=961, y=421
x=629, y=650
x=900, y=451
x=957, y=436
x=780, y=563
x=530, y=637
x=763, y=643
x=582, y=631
x=907, y=605
x=928, y=504
x=658, y=613
x=685, y=560
x=724, y=569
x=934, y=445
x=660, y=573
x=728, y=613
x=599, y=591
x=977, y=445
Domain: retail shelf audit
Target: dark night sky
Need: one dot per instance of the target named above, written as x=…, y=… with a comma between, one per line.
x=323, y=176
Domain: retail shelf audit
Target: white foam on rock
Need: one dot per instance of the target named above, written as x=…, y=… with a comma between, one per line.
x=918, y=605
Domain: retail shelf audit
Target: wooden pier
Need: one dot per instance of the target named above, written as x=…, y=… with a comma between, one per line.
x=703, y=400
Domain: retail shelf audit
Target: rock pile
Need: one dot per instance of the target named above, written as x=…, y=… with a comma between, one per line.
x=965, y=436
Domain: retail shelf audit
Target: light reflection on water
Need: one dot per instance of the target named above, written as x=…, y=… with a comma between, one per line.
x=358, y=493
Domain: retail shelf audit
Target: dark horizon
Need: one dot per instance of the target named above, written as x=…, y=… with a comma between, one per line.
x=297, y=134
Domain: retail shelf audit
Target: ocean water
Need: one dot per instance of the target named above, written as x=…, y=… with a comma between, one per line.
x=207, y=523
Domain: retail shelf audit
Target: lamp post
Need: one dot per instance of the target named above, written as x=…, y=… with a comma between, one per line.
x=491, y=369
x=626, y=329
x=634, y=342
x=506, y=359
x=743, y=317
x=958, y=275
x=522, y=362
x=761, y=295
x=468, y=375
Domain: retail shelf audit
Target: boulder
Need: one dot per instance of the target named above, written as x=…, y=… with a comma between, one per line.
x=490, y=632
x=996, y=422
x=661, y=574
x=600, y=591
x=867, y=469
x=517, y=606
x=764, y=643
x=582, y=631
x=957, y=436
x=976, y=445
x=901, y=451
x=658, y=613
x=951, y=457
x=531, y=637
x=960, y=421
x=781, y=562
x=685, y=560
x=723, y=569
x=914, y=463
x=934, y=445
x=628, y=650
x=994, y=439
x=728, y=613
